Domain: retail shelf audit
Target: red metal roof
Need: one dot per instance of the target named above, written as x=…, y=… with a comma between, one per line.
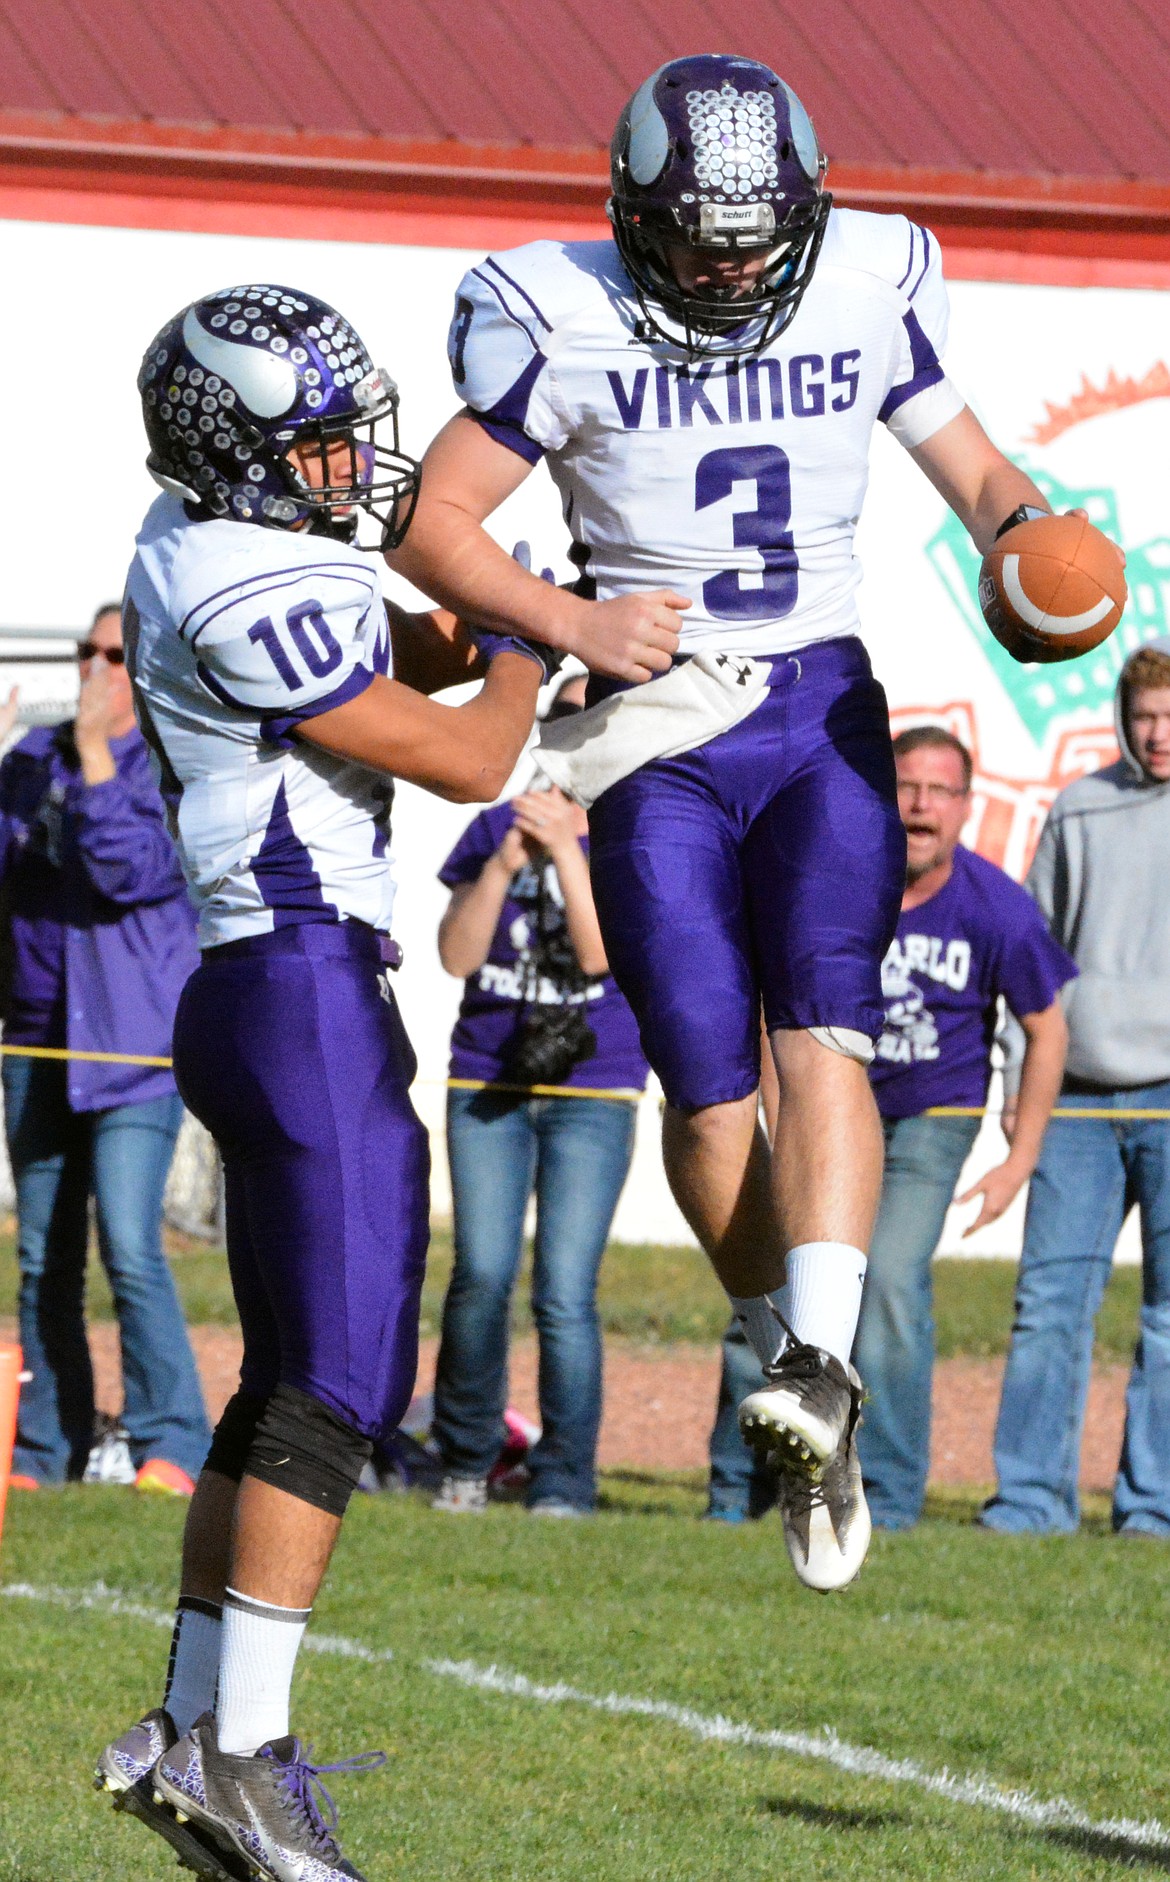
x=981, y=86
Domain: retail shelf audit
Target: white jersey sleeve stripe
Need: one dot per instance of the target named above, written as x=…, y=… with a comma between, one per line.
x=262, y=588
x=922, y=272
x=909, y=268
x=237, y=591
x=494, y=265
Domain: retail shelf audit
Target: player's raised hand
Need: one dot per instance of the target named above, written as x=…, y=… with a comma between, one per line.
x=631, y=637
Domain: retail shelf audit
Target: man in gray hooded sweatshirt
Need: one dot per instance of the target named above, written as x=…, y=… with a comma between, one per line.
x=1102, y=878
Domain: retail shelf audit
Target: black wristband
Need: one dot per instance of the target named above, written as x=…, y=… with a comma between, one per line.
x=1024, y=513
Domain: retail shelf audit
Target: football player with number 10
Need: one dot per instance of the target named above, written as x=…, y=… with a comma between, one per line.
x=281, y=697
x=703, y=388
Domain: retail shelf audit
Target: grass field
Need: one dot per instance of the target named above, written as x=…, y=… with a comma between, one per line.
x=662, y=1294
x=1032, y=1665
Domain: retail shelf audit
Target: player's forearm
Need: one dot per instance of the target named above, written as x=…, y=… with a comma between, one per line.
x=1041, y=1077
x=449, y=555
x=468, y=928
x=465, y=753
x=972, y=474
x=1002, y=491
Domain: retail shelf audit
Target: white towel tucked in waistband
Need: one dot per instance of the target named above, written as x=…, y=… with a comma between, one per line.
x=688, y=706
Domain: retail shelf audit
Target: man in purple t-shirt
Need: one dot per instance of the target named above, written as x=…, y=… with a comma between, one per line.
x=546, y=1071
x=967, y=935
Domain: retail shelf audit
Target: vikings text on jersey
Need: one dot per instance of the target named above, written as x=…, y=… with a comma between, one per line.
x=737, y=481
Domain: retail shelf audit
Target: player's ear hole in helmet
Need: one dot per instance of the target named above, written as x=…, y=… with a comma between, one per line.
x=262, y=404
x=715, y=159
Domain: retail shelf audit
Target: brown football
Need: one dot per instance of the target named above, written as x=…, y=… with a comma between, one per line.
x=1052, y=588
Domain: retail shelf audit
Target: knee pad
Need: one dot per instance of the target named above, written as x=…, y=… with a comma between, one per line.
x=302, y=1447
x=233, y=1435
x=843, y=1039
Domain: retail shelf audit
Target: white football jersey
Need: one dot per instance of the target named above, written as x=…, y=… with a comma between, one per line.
x=234, y=633
x=736, y=482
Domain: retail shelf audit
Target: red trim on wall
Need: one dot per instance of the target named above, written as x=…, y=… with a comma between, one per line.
x=576, y=179
x=296, y=220
x=1051, y=230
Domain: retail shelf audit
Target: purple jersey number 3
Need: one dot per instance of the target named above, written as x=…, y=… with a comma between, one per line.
x=765, y=528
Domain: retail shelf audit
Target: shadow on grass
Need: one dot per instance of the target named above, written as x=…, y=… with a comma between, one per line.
x=1116, y=1849
x=832, y=1816
x=626, y=1491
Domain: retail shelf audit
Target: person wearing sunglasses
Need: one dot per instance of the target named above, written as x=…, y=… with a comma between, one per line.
x=102, y=940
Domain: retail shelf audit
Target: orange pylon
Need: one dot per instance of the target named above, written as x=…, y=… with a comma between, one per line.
x=10, y=1371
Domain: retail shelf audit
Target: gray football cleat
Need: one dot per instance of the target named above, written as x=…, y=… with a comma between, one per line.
x=826, y=1523
x=133, y=1756
x=264, y=1807
x=125, y=1770
x=799, y=1417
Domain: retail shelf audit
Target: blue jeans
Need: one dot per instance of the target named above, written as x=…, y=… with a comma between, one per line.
x=740, y=1484
x=894, y=1346
x=1090, y=1174
x=576, y=1151
x=121, y=1157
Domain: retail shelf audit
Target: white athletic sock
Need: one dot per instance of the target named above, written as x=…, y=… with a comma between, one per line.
x=757, y=1315
x=822, y=1298
x=193, y=1668
x=257, y=1656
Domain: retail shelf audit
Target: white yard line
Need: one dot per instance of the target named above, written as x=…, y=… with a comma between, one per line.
x=1055, y=1813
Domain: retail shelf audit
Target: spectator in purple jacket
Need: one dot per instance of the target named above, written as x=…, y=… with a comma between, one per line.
x=546, y=1070
x=102, y=939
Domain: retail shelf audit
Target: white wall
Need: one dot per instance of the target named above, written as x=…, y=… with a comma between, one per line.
x=84, y=302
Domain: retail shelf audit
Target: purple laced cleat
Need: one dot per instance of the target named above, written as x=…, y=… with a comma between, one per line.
x=271, y=1808
x=126, y=1770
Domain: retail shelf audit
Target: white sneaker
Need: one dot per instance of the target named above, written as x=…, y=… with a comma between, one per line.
x=462, y=1496
x=109, y=1459
x=800, y=1416
x=826, y=1523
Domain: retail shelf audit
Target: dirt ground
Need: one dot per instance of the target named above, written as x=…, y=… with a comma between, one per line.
x=659, y=1403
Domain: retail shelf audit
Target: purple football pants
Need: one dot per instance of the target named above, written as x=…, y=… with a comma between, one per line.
x=765, y=868
x=290, y=1049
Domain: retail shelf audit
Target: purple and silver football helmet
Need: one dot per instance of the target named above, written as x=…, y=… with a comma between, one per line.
x=238, y=378
x=718, y=154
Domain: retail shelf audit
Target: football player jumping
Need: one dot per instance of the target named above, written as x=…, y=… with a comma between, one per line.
x=703, y=388
x=261, y=655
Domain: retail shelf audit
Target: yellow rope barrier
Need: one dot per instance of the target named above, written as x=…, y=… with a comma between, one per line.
x=619, y=1093
x=1122, y=1115
x=459, y=1084
x=100, y=1058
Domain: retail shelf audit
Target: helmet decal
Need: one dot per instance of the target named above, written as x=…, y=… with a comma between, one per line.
x=266, y=382
x=734, y=137
x=804, y=138
x=718, y=155
x=649, y=137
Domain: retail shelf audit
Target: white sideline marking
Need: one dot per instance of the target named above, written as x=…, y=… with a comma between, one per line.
x=1055, y=1813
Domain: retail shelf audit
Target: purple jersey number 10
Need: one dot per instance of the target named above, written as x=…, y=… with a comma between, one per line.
x=765, y=528
x=321, y=654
